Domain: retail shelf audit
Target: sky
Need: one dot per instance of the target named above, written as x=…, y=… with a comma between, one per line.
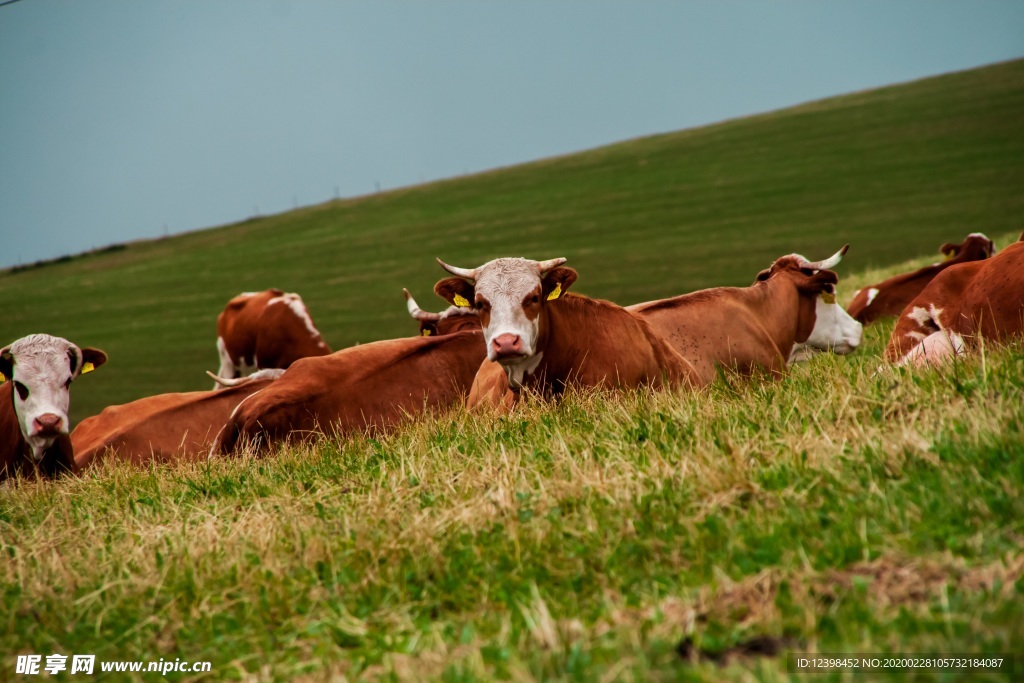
x=122, y=120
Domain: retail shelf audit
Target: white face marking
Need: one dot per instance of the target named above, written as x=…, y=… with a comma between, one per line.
x=517, y=372
x=42, y=372
x=294, y=302
x=505, y=283
x=872, y=293
x=834, y=330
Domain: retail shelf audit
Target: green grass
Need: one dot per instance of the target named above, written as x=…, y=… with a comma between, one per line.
x=895, y=172
x=836, y=510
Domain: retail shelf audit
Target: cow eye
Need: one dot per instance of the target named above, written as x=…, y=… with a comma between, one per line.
x=22, y=390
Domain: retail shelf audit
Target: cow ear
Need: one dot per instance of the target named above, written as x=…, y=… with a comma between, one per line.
x=6, y=364
x=764, y=275
x=428, y=328
x=822, y=282
x=92, y=359
x=950, y=249
x=557, y=282
x=456, y=291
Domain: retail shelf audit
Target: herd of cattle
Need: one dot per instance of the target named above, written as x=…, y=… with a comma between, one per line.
x=511, y=325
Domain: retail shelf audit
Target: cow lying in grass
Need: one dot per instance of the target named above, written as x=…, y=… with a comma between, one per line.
x=962, y=305
x=370, y=387
x=757, y=328
x=261, y=330
x=34, y=403
x=890, y=297
x=536, y=335
x=163, y=428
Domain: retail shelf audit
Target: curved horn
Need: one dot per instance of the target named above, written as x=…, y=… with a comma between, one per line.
x=831, y=261
x=225, y=382
x=416, y=312
x=545, y=266
x=469, y=274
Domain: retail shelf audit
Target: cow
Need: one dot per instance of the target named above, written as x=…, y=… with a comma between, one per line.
x=960, y=306
x=165, y=428
x=34, y=403
x=367, y=388
x=789, y=309
x=890, y=297
x=452, y=319
x=269, y=329
x=545, y=339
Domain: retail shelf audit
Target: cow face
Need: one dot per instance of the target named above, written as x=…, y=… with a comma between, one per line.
x=834, y=329
x=975, y=248
x=509, y=296
x=453, y=319
x=41, y=369
x=831, y=328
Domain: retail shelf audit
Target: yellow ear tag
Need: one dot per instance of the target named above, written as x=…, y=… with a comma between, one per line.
x=88, y=367
x=2, y=378
x=460, y=301
x=426, y=333
x=828, y=297
x=949, y=254
x=556, y=292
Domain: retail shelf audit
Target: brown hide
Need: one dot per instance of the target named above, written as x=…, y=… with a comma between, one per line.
x=976, y=299
x=163, y=428
x=370, y=387
x=590, y=343
x=746, y=328
x=264, y=336
x=15, y=453
x=895, y=293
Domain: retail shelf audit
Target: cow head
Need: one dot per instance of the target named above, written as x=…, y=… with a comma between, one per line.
x=831, y=328
x=975, y=248
x=41, y=368
x=509, y=295
x=453, y=319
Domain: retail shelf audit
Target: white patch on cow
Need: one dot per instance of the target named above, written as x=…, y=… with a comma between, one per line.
x=294, y=302
x=916, y=335
x=834, y=330
x=857, y=293
x=248, y=295
x=936, y=348
x=872, y=293
x=921, y=316
x=43, y=367
x=227, y=366
x=979, y=234
x=517, y=372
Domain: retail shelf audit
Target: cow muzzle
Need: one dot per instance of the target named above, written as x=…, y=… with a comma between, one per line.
x=47, y=425
x=507, y=348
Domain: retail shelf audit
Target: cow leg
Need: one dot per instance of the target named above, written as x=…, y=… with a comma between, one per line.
x=227, y=366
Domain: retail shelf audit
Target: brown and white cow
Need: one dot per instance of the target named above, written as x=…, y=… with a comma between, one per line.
x=890, y=297
x=269, y=329
x=963, y=304
x=34, y=403
x=370, y=387
x=544, y=338
x=165, y=428
x=757, y=328
x=452, y=319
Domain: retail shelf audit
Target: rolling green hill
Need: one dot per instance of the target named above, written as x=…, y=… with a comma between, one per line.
x=895, y=172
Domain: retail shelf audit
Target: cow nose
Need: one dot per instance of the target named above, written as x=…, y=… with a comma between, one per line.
x=47, y=423
x=506, y=345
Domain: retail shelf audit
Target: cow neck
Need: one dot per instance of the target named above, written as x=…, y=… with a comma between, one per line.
x=777, y=298
x=562, y=324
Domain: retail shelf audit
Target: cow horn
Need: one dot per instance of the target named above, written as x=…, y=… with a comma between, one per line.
x=831, y=261
x=417, y=312
x=545, y=266
x=469, y=274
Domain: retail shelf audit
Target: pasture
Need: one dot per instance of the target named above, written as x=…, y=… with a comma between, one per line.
x=836, y=510
x=895, y=172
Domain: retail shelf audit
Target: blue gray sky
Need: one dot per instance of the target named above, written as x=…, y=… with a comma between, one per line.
x=122, y=119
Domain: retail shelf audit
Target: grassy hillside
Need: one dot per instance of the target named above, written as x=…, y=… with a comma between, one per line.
x=837, y=510
x=895, y=172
